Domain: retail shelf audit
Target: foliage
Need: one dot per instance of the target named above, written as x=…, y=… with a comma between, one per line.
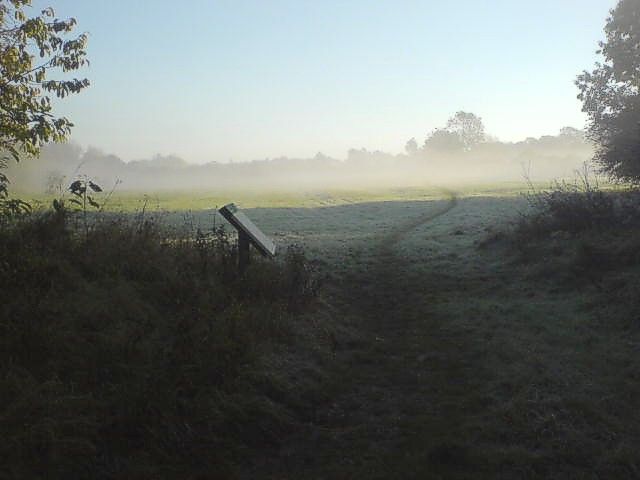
x=570, y=207
x=579, y=207
x=81, y=189
x=463, y=131
x=411, y=147
x=571, y=133
x=611, y=97
x=468, y=127
x=30, y=49
x=83, y=198
x=130, y=353
x=444, y=140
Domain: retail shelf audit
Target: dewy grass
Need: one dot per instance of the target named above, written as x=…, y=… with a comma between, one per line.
x=454, y=352
x=472, y=363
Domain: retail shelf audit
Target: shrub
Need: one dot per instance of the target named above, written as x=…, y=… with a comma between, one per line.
x=127, y=351
x=569, y=207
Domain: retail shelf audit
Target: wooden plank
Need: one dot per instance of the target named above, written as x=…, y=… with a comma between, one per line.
x=243, y=251
x=243, y=224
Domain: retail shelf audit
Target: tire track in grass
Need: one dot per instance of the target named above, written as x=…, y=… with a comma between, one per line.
x=397, y=383
x=391, y=239
x=394, y=403
x=434, y=377
x=410, y=400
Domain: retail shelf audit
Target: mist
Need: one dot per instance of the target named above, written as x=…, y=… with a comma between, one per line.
x=433, y=162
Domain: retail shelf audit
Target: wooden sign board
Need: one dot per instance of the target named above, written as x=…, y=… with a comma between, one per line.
x=245, y=226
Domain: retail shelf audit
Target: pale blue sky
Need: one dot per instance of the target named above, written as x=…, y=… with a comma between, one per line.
x=240, y=79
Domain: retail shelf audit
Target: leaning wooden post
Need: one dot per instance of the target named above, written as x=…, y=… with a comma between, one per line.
x=243, y=251
x=248, y=234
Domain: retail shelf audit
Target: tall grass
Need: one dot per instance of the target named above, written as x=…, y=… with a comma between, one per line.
x=131, y=353
x=570, y=206
x=582, y=235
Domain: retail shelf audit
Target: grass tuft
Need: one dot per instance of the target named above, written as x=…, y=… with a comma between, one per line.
x=131, y=352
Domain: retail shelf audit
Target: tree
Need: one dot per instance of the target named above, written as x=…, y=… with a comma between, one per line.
x=463, y=131
x=570, y=136
x=468, y=127
x=444, y=140
x=31, y=48
x=411, y=147
x=610, y=95
x=571, y=132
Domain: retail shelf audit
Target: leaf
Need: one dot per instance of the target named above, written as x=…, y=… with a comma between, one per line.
x=77, y=187
x=32, y=45
x=94, y=187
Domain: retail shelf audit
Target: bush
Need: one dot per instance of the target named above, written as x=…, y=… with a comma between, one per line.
x=570, y=207
x=131, y=352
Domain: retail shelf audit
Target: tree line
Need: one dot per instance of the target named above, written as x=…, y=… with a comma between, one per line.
x=34, y=50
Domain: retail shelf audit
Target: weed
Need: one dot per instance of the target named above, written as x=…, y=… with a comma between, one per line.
x=127, y=351
x=569, y=207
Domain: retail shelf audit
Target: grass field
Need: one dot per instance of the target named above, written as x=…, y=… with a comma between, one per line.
x=453, y=351
x=326, y=222
x=134, y=201
x=471, y=358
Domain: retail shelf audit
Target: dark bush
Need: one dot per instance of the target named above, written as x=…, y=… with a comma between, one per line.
x=129, y=352
x=569, y=207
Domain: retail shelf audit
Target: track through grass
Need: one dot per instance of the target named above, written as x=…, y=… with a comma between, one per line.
x=464, y=363
x=394, y=237
x=403, y=384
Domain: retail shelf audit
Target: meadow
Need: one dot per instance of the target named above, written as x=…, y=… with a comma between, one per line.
x=476, y=349
x=475, y=354
x=452, y=336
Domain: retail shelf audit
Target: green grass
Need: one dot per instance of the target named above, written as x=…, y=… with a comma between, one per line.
x=134, y=201
x=476, y=359
x=459, y=349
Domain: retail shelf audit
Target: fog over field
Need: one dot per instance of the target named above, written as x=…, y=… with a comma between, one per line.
x=441, y=159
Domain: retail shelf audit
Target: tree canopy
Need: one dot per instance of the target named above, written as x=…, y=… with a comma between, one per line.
x=411, y=147
x=442, y=139
x=610, y=94
x=468, y=127
x=463, y=131
x=31, y=48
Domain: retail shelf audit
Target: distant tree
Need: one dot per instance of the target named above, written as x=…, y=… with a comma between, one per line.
x=570, y=136
x=30, y=49
x=444, y=140
x=469, y=128
x=571, y=132
x=610, y=94
x=463, y=131
x=411, y=147
x=321, y=157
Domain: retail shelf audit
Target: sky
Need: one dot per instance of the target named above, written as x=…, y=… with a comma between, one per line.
x=236, y=80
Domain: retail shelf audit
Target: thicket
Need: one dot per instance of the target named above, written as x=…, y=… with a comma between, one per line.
x=572, y=207
x=127, y=352
x=578, y=234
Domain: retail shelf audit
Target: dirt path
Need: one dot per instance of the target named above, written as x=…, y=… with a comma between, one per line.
x=390, y=240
